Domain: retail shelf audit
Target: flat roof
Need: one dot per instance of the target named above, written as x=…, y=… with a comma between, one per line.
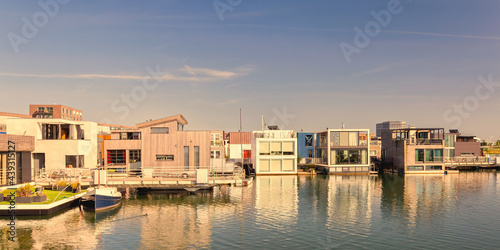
x=178, y=118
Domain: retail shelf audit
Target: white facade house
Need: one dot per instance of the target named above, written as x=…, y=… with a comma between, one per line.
x=59, y=143
x=344, y=151
x=274, y=152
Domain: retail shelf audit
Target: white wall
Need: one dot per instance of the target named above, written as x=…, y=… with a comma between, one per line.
x=56, y=150
x=235, y=150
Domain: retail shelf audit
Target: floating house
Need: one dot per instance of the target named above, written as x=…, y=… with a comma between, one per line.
x=343, y=151
x=275, y=151
x=414, y=150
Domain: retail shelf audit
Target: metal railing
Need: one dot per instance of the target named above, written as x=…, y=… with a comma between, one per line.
x=469, y=160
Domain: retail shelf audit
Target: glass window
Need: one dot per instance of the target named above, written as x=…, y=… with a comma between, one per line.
x=164, y=157
x=344, y=138
x=197, y=155
x=423, y=135
x=275, y=148
x=116, y=156
x=429, y=155
x=415, y=168
x=438, y=155
x=309, y=140
x=333, y=157
x=342, y=157
x=449, y=141
x=433, y=167
x=288, y=148
x=264, y=148
x=353, y=138
x=186, y=156
x=335, y=139
x=159, y=130
x=134, y=156
x=354, y=157
x=310, y=153
x=74, y=161
x=419, y=155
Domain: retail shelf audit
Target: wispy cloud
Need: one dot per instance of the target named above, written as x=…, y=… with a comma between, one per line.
x=186, y=74
x=439, y=34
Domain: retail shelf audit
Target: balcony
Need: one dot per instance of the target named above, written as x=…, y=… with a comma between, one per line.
x=422, y=141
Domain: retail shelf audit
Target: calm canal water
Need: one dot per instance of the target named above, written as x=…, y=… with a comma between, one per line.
x=298, y=212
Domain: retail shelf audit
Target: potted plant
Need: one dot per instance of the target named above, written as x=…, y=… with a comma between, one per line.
x=75, y=186
x=6, y=194
x=24, y=194
x=62, y=184
x=39, y=197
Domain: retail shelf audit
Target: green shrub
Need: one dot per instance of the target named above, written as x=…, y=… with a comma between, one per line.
x=75, y=185
x=62, y=183
x=25, y=190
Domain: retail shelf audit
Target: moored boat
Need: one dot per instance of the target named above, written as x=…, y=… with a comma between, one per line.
x=101, y=198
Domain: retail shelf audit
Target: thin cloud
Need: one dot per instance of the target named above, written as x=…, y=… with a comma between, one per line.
x=439, y=34
x=186, y=74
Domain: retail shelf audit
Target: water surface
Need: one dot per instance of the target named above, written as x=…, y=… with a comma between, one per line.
x=299, y=212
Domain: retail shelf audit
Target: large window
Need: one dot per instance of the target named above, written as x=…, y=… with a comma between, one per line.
x=159, y=130
x=134, y=156
x=348, y=157
x=428, y=155
x=449, y=141
x=116, y=156
x=277, y=148
x=75, y=161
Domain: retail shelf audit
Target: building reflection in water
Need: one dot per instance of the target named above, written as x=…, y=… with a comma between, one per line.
x=276, y=201
x=351, y=200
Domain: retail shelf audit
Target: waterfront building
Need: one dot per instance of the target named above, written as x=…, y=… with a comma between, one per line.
x=460, y=145
x=24, y=145
x=55, y=111
x=237, y=141
x=414, y=150
x=305, y=146
x=58, y=143
x=119, y=148
x=165, y=143
x=275, y=151
x=387, y=125
x=343, y=151
x=375, y=149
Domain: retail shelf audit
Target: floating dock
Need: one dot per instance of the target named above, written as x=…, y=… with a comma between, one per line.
x=41, y=209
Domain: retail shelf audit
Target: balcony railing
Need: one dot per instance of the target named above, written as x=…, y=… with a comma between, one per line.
x=421, y=141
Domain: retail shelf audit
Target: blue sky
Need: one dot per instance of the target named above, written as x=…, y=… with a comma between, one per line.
x=266, y=57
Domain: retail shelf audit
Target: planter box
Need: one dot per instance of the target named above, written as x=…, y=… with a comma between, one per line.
x=59, y=188
x=39, y=198
x=24, y=199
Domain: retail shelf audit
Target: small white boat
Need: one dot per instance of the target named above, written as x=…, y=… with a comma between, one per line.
x=101, y=198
